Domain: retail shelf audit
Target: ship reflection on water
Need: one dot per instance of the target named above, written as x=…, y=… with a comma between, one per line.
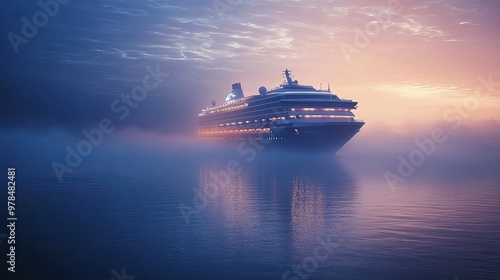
x=285, y=202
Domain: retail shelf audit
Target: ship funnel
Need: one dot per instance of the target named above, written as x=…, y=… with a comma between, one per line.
x=237, y=91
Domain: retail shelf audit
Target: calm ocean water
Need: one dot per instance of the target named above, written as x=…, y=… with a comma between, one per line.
x=284, y=216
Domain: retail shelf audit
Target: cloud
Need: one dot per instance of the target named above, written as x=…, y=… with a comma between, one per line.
x=422, y=91
x=412, y=27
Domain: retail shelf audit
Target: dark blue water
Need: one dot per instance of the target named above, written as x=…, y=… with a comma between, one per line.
x=284, y=216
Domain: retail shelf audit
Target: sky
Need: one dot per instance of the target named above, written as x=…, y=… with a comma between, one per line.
x=413, y=66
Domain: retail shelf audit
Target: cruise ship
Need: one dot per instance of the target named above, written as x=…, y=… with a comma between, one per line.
x=291, y=115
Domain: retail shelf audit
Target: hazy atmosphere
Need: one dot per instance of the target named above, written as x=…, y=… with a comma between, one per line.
x=426, y=75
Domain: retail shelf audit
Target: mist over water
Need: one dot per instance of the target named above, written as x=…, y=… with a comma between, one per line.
x=121, y=208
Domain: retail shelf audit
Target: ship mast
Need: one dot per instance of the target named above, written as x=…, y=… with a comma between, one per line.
x=288, y=78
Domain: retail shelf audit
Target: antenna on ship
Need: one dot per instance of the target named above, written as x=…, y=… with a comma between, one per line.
x=287, y=75
x=329, y=87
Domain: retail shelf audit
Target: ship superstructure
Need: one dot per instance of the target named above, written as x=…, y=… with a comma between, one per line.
x=291, y=115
